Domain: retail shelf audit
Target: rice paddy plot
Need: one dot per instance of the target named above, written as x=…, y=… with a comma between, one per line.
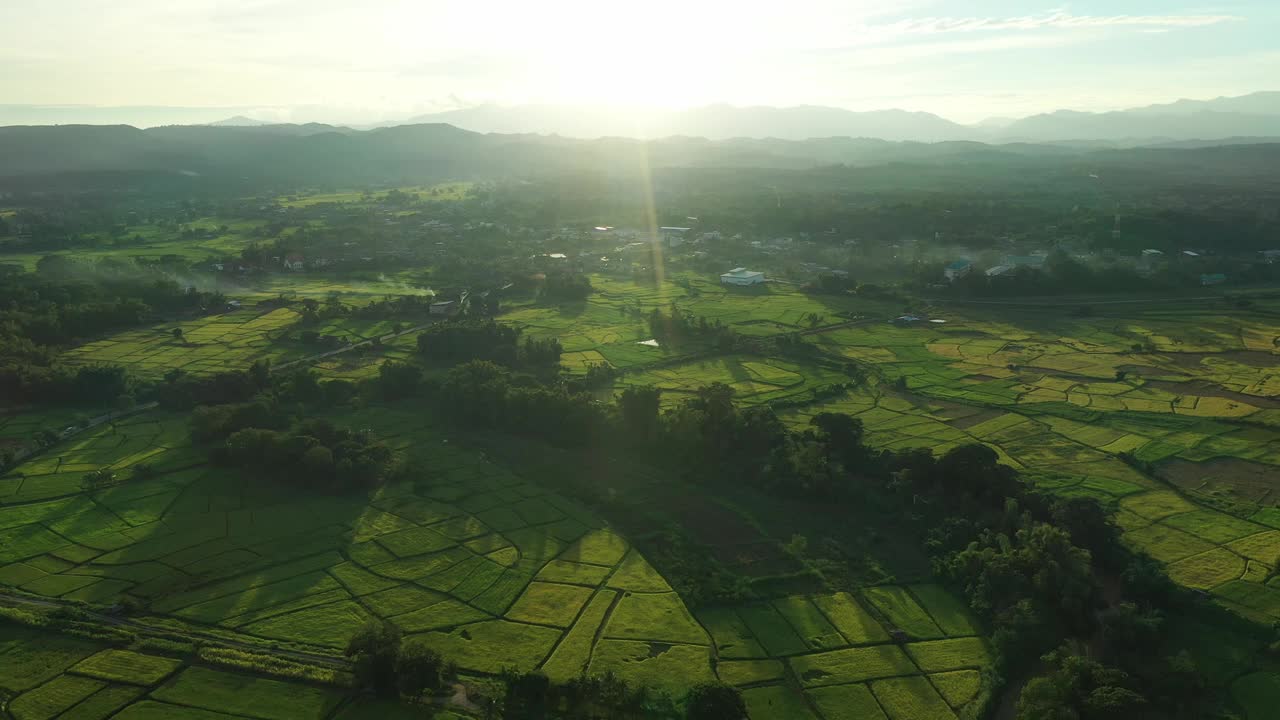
x=846, y=702
x=570, y=658
x=903, y=612
x=954, y=654
x=850, y=665
x=546, y=603
x=852, y=620
x=659, y=617
x=958, y=688
x=662, y=666
x=124, y=666
x=774, y=634
x=732, y=637
x=777, y=701
x=809, y=622
x=911, y=698
x=494, y=645
x=247, y=695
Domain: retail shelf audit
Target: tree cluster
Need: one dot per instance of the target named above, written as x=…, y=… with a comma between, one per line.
x=565, y=287
x=315, y=454
x=451, y=343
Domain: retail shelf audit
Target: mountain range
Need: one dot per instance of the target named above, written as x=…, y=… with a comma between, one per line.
x=176, y=157
x=1255, y=115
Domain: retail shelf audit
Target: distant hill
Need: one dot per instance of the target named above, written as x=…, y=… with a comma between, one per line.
x=240, y=121
x=1259, y=103
x=715, y=122
x=1256, y=115
x=1140, y=127
x=68, y=155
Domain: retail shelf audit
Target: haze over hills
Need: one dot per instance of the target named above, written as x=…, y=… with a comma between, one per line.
x=71, y=156
x=1255, y=116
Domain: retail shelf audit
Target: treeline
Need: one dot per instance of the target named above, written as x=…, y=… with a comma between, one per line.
x=314, y=453
x=485, y=395
x=565, y=286
x=395, y=667
x=65, y=300
x=676, y=325
x=454, y=342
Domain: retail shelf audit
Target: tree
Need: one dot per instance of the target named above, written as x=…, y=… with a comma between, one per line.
x=1081, y=688
x=177, y=334
x=527, y=696
x=639, y=409
x=374, y=650
x=843, y=435
x=714, y=701
x=399, y=379
x=418, y=669
x=1090, y=527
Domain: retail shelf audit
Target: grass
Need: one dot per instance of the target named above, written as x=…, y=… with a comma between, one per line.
x=947, y=611
x=911, y=698
x=52, y=698
x=749, y=672
x=846, y=702
x=850, y=665
x=399, y=600
x=659, y=617
x=772, y=631
x=239, y=694
x=104, y=703
x=636, y=574
x=549, y=604
x=126, y=667
x=777, y=701
x=809, y=622
x=732, y=637
x=494, y=645
x=1208, y=569
x=564, y=571
x=29, y=657
x=903, y=611
x=955, y=654
x=571, y=656
x=660, y=666
x=151, y=710
x=599, y=547
x=959, y=687
x=852, y=620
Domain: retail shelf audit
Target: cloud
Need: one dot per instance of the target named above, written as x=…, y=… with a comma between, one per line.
x=1054, y=21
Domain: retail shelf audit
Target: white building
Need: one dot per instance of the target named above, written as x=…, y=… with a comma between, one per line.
x=742, y=276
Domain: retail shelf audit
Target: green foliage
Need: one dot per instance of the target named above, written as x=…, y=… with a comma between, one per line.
x=418, y=669
x=374, y=652
x=714, y=701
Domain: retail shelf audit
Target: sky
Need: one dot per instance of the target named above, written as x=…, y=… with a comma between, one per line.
x=372, y=60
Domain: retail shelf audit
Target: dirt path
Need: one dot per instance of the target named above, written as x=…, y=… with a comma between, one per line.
x=329, y=661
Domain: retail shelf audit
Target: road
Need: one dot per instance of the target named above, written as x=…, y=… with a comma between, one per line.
x=29, y=452
x=348, y=348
